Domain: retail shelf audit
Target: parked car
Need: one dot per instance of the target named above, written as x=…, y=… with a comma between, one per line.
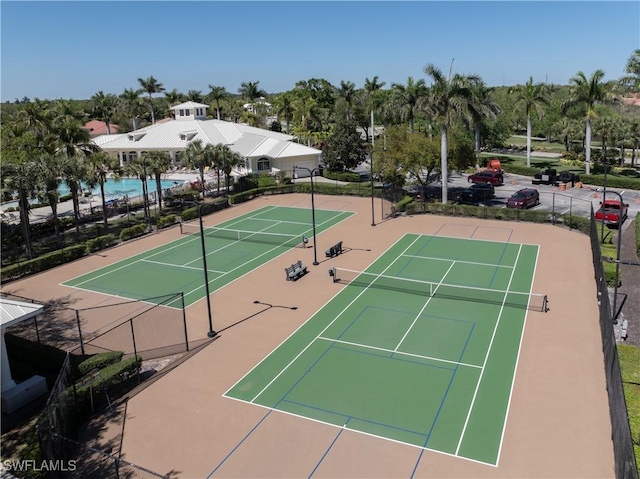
x=477, y=193
x=486, y=176
x=524, y=198
x=612, y=212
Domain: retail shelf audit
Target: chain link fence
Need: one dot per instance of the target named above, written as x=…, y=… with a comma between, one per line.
x=624, y=456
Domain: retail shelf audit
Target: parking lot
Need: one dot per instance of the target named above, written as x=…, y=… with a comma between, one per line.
x=576, y=201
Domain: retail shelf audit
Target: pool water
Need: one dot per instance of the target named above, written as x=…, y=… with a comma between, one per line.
x=119, y=188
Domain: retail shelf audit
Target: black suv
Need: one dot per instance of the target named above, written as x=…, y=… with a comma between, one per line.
x=477, y=193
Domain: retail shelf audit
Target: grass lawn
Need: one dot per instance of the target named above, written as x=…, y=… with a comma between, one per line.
x=630, y=365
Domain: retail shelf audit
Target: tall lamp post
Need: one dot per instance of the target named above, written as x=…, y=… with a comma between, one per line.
x=313, y=211
x=211, y=333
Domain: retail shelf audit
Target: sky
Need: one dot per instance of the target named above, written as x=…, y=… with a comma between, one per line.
x=52, y=50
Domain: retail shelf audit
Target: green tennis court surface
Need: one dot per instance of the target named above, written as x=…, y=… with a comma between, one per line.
x=410, y=364
x=233, y=249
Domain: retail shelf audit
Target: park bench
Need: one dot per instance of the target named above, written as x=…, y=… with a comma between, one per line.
x=295, y=271
x=335, y=250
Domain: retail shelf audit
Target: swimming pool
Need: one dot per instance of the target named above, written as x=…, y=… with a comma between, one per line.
x=118, y=188
x=113, y=188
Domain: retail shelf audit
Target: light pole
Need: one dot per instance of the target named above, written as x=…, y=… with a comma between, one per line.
x=211, y=333
x=373, y=221
x=313, y=211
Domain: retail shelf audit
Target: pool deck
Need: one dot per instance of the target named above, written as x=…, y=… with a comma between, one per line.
x=65, y=208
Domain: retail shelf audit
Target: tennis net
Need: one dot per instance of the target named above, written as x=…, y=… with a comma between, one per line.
x=530, y=301
x=262, y=237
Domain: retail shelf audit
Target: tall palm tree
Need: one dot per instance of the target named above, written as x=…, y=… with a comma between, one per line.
x=587, y=92
x=130, y=100
x=194, y=95
x=533, y=98
x=567, y=129
x=632, y=78
x=408, y=97
x=448, y=99
x=98, y=167
x=158, y=163
x=104, y=107
x=217, y=94
x=73, y=140
x=250, y=91
x=138, y=169
x=150, y=86
x=483, y=107
x=174, y=97
x=230, y=160
x=347, y=92
x=285, y=108
x=74, y=173
x=374, y=100
x=49, y=173
x=196, y=157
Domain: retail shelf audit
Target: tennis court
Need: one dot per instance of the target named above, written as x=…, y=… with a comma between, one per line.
x=233, y=248
x=421, y=348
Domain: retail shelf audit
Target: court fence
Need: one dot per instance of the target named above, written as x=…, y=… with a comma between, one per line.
x=149, y=328
x=623, y=450
x=61, y=419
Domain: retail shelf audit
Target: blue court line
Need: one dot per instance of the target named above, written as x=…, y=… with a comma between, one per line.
x=446, y=393
x=349, y=417
x=417, y=253
x=495, y=271
x=328, y=449
x=383, y=355
x=302, y=377
x=239, y=444
x=348, y=327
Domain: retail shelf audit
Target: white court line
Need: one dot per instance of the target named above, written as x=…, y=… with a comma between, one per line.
x=419, y=356
x=424, y=307
x=461, y=262
x=282, y=221
x=181, y=266
x=486, y=358
x=515, y=369
x=328, y=325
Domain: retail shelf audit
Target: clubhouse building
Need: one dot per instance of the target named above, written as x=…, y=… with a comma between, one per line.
x=263, y=151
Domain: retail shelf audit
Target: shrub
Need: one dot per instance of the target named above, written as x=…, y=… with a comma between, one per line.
x=165, y=221
x=111, y=379
x=101, y=242
x=403, y=204
x=341, y=176
x=265, y=181
x=133, y=232
x=99, y=361
x=42, y=263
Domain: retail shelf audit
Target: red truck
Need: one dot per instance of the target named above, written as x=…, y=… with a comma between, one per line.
x=612, y=212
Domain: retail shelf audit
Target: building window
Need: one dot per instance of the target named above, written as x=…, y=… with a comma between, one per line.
x=132, y=156
x=181, y=112
x=264, y=164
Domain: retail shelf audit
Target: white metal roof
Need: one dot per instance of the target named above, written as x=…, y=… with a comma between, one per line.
x=12, y=312
x=246, y=140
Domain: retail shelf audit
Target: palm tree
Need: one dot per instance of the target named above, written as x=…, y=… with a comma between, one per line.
x=533, y=98
x=158, y=163
x=99, y=166
x=632, y=78
x=194, y=95
x=73, y=140
x=483, y=107
x=408, y=97
x=284, y=108
x=130, y=99
x=347, y=92
x=588, y=92
x=567, y=129
x=448, y=99
x=150, y=86
x=217, y=94
x=104, y=107
x=249, y=91
x=196, y=157
x=372, y=87
x=73, y=173
x=49, y=173
x=138, y=169
x=174, y=97
x=230, y=160
x=21, y=176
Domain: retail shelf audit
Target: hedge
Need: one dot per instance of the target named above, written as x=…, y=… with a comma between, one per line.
x=133, y=232
x=42, y=263
x=99, y=361
x=206, y=209
x=165, y=221
x=101, y=242
x=625, y=183
x=111, y=379
x=341, y=176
